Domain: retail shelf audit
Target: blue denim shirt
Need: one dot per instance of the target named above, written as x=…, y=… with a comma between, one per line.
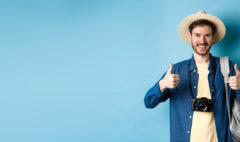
x=180, y=100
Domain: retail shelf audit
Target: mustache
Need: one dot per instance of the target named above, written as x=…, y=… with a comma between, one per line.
x=204, y=44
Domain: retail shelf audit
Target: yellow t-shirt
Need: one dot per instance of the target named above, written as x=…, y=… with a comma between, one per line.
x=203, y=123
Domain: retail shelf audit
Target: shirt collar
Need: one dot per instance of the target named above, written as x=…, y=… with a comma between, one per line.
x=193, y=63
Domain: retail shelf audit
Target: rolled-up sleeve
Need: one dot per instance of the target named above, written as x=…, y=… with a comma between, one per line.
x=154, y=96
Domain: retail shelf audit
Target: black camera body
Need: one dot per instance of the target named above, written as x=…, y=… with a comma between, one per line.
x=202, y=104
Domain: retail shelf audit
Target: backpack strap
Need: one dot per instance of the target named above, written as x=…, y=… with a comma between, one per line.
x=224, y=63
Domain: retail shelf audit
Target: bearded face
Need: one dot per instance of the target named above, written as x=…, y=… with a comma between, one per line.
x=202, y=39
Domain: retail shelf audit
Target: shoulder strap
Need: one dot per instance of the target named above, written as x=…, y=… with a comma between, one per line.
x=224, y=63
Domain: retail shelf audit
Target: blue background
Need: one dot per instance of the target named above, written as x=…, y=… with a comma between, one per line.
x=78, y=70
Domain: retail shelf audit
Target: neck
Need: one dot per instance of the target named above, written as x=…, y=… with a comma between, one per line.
x=201, y=58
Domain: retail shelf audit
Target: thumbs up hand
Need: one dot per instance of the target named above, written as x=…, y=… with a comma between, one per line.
x=170, y=80
x=234, y=81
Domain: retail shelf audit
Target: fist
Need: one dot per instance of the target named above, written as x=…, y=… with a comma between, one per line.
x=170, y=80
x=234, y=81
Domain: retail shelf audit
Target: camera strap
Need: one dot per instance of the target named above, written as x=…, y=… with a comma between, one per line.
x=214, y=68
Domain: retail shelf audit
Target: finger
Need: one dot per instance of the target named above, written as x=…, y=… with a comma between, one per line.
x=176, y=84
x=170, y=69
x=232, y=78
x=173, y=85
x=173, y=78
x=175, y=75
x=176, y=80
x=232, y=85
x=236, y=70
x=231, y=82
x=234, y=88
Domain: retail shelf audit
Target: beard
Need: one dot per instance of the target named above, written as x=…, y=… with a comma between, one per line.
x=195, y=49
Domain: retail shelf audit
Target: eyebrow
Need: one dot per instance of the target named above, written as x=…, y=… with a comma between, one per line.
x=200, y=34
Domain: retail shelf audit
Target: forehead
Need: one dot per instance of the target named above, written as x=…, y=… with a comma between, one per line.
x=202, y=29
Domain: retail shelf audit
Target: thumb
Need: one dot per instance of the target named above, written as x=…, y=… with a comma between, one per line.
x=170, y=69
x=236, y=69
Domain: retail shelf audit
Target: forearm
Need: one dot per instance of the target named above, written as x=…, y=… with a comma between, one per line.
x=154, y=96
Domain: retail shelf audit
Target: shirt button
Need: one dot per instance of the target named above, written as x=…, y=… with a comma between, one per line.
x=188, y=132
x=195, y=87
x=194, y=70
x=190, y=116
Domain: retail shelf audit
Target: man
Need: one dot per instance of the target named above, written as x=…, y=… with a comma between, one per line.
x=195, y=87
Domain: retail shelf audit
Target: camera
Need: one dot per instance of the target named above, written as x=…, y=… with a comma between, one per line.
x=202, y=104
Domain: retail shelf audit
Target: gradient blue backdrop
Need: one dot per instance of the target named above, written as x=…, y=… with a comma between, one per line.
x=78, y=70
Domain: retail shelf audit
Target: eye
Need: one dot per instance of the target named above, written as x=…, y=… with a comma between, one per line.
x=197, y=35
x=209, y=36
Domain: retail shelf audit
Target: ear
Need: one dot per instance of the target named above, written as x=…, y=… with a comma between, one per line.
x=213, y=37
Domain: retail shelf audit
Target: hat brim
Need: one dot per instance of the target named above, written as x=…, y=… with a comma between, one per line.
x=184, y=26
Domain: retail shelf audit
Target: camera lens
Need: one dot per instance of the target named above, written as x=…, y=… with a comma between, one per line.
x=202, y=106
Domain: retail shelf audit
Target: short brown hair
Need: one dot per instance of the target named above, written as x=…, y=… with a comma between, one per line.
x=202, y=22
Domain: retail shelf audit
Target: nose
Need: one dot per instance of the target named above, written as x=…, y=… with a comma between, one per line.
x=203, y=39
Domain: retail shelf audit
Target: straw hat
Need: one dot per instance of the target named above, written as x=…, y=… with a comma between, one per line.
x=184, y=26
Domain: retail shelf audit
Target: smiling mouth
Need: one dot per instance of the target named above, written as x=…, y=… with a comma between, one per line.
x=202, y=46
